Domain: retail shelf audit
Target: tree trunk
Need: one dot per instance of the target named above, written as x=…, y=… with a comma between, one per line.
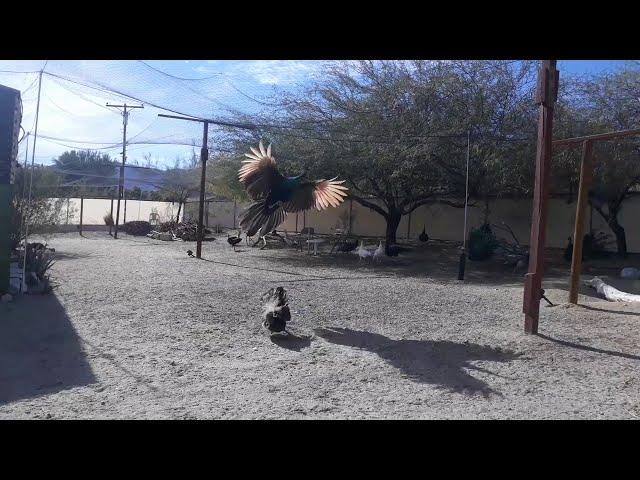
x=612, y=220
x=487, y=211
x=393, y=221
x=178, y=216
x=621, y=236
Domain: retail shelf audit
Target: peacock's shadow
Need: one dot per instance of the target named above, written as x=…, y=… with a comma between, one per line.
x=437, y=362
x=291, y=341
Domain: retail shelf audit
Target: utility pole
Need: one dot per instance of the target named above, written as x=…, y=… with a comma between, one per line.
x=125, y=118
x=204, y=155
x=546, y=97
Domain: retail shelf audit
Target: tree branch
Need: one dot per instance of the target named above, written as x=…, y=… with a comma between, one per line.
x=370, y=205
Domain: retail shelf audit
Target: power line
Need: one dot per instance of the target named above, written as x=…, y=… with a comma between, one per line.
x=178, y=78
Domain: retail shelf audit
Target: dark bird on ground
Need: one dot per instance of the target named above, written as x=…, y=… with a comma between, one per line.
x=233, y=241
x=276, y=310
x=542, y=296
x=568, y=251
x=275, y=195
x=190, y=253
x=347, y=246
x=423, y=237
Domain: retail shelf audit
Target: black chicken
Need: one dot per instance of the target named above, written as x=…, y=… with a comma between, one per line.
x=190, y=253
x=275, y=195
x=423, y=237
x=233, y=241
x=347, y=246
x=276, y=310
x=568, y=251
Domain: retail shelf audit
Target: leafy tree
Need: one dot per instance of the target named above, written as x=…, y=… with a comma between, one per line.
x=396, y=131
x=44, y=212
x=601, y=104
x=178, y=185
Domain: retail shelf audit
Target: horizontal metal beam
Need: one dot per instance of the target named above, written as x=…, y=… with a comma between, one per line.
x=599, y=136
x=185, y=118
x=244, y=126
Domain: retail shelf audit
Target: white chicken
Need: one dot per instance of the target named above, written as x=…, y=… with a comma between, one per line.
x=379, y=253
x=362, y=252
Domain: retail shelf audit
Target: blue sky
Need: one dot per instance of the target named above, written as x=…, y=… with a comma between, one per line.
x=75, y=112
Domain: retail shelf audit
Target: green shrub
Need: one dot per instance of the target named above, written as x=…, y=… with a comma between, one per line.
x=482, y=243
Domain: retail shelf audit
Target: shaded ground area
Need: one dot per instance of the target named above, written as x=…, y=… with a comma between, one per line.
x=40, y=352
x=137, y=329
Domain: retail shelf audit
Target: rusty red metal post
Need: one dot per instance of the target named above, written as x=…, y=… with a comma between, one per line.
x=545, y=98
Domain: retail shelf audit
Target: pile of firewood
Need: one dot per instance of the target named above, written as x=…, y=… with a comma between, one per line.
x=187, y=231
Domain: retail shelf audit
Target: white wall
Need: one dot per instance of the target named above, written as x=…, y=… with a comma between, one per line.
x=442, y=222
x=95, y=209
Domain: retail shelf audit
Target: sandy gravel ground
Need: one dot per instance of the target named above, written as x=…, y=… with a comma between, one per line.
x=137, y=329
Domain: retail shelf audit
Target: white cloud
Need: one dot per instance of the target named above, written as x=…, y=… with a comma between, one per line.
x=265, y=72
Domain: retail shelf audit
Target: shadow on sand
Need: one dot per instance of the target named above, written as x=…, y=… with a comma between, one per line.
x=292, y=341
x=587, y=348
x=40, y=352
x=437, y=362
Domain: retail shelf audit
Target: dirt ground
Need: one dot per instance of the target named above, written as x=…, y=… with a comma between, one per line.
x=137, y=329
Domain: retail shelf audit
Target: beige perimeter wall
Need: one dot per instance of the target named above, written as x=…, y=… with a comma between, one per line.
x=442, y=222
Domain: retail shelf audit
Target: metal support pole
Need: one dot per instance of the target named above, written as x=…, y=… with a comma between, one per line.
x=586, y=170
x=463, y=255
x=33, y=157
x=204, y=154
x=111, y=215
x=81, y=211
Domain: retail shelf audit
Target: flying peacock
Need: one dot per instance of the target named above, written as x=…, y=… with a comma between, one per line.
x=275, y=195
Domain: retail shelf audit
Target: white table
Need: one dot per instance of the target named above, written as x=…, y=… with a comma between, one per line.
x=315, y=243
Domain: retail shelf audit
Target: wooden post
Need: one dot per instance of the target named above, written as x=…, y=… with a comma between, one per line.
x=111, y=214
x=586, y=172
x=124, y=220
x=296, y=222
x=81, y=210
x=350, y=213
x=545, y=98
x=409, y=227
x=67, y=211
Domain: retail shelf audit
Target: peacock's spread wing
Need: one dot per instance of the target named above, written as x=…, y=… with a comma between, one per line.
x=259, y=173
x=320, y=194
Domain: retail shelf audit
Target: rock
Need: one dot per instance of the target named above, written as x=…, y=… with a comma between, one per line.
x=6, y=298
